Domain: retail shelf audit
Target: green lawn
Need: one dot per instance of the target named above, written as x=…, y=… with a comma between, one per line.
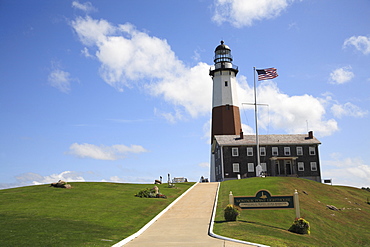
x=89, y=214
x=101, y=214
x=348, y=227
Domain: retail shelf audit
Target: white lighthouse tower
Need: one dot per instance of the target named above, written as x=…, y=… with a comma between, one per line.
x=225, y=110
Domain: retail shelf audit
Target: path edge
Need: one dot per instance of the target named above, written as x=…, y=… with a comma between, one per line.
x=138, y=233
x=212, y=234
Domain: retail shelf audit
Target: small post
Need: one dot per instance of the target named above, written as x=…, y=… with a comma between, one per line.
x=231, y=198
x=296, y=205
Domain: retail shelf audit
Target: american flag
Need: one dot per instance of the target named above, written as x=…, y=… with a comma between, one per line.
x=266, y=74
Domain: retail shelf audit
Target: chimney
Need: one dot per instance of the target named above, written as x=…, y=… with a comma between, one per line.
x=310, y=135
x=241, y=134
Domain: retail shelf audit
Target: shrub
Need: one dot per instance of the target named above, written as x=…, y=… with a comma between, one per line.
x=300, y=226
x=367, y=189
x=145, y=193
x=149, y=193
x=231, y=213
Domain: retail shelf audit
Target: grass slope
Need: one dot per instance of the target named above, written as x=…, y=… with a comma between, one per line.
x=347, y=227
x=89, y=214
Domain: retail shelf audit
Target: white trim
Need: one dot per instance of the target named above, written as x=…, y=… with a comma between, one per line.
x=236, y=167
x=249, y=151
x=264, y=151
x=212, y=234
x=250, y=167
x=222, y=164
x=275, y=149
x=300, y=165
x=313, y=165
x=300, y=153
x=138, y=233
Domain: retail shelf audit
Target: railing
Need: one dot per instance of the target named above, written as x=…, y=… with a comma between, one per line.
x=223, y=67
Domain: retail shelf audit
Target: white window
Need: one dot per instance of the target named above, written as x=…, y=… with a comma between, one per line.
x=313, y=166
x=264, y=167
x=299, y=151
x=250, y=167
x=300, y=166
x=235, y=151
x=287, y=151
x=312, y=151
x=250, y=151
x=262, y=151
x=235, y=167
x=275, y=151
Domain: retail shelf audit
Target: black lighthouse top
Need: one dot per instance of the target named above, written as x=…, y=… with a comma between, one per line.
x=223, y=60
x=223, y=53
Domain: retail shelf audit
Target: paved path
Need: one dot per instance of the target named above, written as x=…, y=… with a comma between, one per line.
x=186, y=223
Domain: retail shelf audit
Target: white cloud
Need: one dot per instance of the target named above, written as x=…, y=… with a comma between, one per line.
x=102, y=152
x=132, y=58
x=86, y=7
x=248, y=130
x=35, y=179
x=288, y=113
x=244, y=12
x=347, y=171
x=191, y=89
x=92, y=31
x=361, y=43
x=128, y=179
x=30, y=176
x=170, y=117
x=204, y=164
x=86, y=52
x=347, y=109
x=341, y=75
x=60, y=79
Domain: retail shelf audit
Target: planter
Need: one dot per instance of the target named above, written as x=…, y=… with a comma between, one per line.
x=300, y=226
x=231, y=213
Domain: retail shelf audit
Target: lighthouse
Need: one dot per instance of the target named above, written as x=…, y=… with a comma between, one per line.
x=238, y=156
x=225, y=110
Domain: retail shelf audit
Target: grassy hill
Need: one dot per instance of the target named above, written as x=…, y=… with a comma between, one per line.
x=89, y=214
x=348, y=227
x=101, y=214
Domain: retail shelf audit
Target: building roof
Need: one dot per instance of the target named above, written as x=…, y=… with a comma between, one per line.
x=291, y=139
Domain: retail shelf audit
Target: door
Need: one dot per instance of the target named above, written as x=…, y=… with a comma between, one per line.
x=288, y=167
x=279, y=168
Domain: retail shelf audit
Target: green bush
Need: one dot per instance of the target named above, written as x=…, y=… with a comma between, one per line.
x=149, y=193
x=231, y=213
x=300, y=226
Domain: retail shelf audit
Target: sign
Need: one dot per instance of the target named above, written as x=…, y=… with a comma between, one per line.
x=264, y=200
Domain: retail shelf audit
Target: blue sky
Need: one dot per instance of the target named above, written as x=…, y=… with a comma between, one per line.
x=119, y=90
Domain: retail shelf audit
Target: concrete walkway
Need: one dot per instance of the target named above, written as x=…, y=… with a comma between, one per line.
x=186, y=223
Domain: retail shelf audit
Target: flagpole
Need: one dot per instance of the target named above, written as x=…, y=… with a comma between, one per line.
x=255, y=116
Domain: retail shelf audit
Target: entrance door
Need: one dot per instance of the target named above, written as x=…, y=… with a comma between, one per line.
x=279, y=168
x=288, y=167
